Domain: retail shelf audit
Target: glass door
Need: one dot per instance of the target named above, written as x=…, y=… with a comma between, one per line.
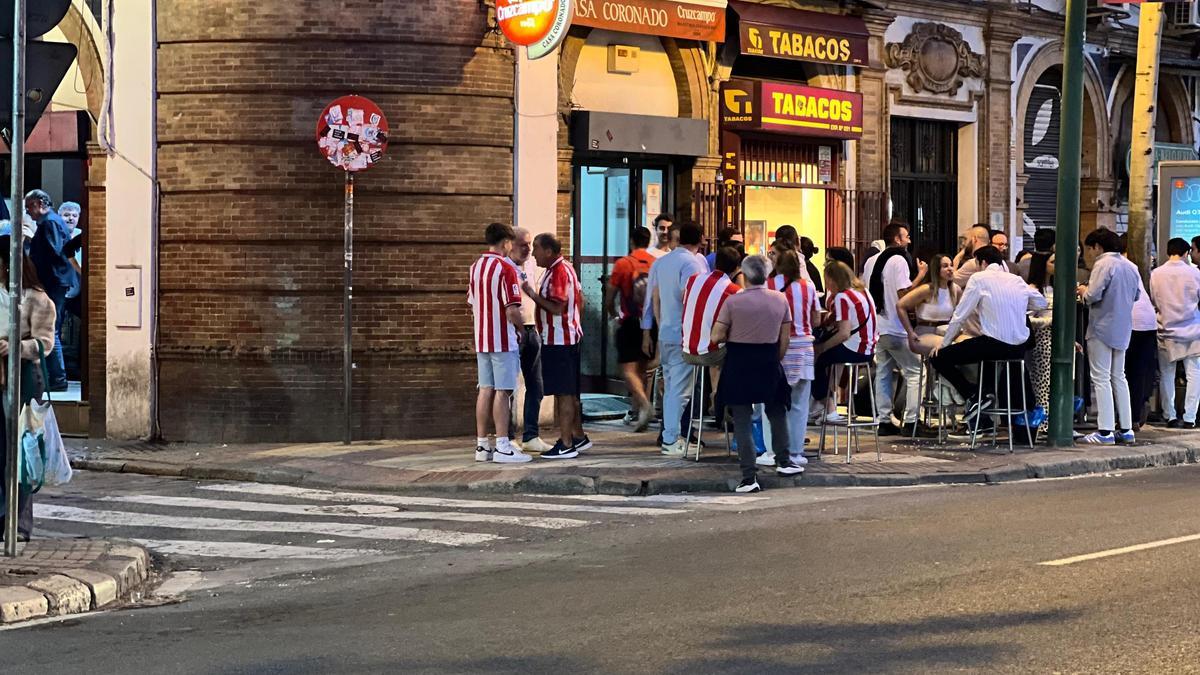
x=610, y=202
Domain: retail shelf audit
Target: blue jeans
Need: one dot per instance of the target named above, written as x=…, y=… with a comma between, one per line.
x=54, y=360
x=677, y=388
x=531, y=371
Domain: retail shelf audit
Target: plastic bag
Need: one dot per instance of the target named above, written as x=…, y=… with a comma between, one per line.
x=32, y=466
x=57, y=465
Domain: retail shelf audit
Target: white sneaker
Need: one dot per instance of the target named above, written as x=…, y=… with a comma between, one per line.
x=835, y=418
x=747, y=486
x=508, y=454
x=799, y=461
x=814, y=417
x=676, y=449
x=765, y=459
x=536, y=445
x=482, y=454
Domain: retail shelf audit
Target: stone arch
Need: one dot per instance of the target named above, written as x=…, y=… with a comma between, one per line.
x=1174, y=106
x=1097, y=170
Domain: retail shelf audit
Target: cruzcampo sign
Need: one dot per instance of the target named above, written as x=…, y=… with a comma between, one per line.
x=667, y=18
x=756, y=105
x=537, y=25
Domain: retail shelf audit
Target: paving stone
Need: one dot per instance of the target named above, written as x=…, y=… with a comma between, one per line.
x=558, y=484
x=619, y=486
x=64, y=595
x=18, y=603
x=103, y=587
x=1011, y=472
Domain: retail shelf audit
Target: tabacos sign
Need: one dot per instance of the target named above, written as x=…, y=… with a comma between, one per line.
x=537, y=25
x=802, y=45
x=791, y=109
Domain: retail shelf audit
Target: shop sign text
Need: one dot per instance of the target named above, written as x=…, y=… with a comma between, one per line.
x=653, y=17
x=802, y=45
x=791, y=109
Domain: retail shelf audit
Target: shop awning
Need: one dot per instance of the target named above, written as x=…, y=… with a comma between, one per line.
x=683, y=19
x=801, y=35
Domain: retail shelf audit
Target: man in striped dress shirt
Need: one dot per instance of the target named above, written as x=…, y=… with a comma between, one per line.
x=494, y=293
x=1001, y=301
x=559, y=303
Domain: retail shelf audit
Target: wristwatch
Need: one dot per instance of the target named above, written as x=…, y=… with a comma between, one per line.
x=524, y=277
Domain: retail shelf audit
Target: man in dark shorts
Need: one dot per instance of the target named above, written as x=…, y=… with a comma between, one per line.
x=559, y=302
x=627, y=284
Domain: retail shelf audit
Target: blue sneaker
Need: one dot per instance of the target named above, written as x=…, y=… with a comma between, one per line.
x=1126, y=437
x=1097, y=438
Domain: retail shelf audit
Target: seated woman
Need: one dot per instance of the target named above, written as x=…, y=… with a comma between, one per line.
x=755, y=326
x=933, y=302
x=855, y=331
x=37, y=325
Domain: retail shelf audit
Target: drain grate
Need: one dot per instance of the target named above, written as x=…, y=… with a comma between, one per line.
x=597, y=407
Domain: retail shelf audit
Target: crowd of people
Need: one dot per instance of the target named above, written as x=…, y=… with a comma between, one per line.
x=770, y=334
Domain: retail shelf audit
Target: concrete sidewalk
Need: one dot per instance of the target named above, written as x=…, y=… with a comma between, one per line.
x=59, y=577
x=621, y=463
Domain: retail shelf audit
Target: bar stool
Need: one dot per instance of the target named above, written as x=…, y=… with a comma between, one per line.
x=1007, y=411
x=852, y=424
x=696, y=421
x=932, y=386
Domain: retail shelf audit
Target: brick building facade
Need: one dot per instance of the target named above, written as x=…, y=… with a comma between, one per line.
x=243, y=236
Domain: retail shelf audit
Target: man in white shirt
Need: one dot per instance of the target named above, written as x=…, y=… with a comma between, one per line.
x=889, y=276
x=1001, y=301
x=662, y=236
x=1175, y=286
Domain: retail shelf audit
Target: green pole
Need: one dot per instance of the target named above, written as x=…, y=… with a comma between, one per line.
x=1062, y=387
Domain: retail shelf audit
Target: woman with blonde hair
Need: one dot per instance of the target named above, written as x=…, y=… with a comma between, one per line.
x=855, y=334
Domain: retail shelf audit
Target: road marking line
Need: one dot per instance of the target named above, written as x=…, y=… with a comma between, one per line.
x=1121, y=551
x=404, y=500
x=242, y=549
x=352, y=510
x=662, y=499
x=339, y=529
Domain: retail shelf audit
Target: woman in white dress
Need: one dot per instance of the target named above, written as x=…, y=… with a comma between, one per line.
x=933, y=303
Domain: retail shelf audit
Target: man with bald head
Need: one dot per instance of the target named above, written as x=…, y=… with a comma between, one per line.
x=979, y=236
x=531, y=348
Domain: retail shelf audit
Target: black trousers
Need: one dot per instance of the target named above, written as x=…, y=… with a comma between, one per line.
x=531, y=371
x=743, y=419
x=1141, y=367
x=948, y=360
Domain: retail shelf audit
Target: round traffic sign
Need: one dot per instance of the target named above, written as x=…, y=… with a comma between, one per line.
x=352, y=133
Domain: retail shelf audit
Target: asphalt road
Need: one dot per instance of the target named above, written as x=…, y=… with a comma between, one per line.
x=806, y=580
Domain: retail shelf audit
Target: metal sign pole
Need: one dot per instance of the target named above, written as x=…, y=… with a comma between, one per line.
x=347, y=300
x=17, y=249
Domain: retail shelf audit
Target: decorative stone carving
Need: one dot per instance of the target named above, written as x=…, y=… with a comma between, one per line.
x=936, y=58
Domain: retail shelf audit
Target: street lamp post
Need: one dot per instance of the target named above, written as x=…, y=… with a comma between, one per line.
x=16, y=143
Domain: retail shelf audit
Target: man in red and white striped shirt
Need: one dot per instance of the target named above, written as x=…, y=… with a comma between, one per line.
x=559, y=304
x=494, y=293
x=703, y=295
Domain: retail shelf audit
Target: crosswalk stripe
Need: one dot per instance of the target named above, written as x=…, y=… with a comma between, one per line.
x=240, y=549
x=336, y=529
x=405, y=500
x=353, y=510
x=664, y=499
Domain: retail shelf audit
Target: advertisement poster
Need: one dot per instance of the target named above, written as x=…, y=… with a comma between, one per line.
x=1185, y=207
x=653, y=201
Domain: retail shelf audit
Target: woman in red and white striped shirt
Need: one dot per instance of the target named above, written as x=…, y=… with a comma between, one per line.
x=857, y=330
x=798, y=363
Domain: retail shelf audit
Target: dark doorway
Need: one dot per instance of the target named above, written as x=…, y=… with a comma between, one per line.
x=925, y=181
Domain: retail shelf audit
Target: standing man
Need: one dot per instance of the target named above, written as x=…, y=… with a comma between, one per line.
x=627, y=291
x=47, y=251
x=494, y=294
x=1110, y=294
x=662, y=235
x=559, y=303
x=889, y=277
x=531, y=348
x=667, y=279
x=1176, y=288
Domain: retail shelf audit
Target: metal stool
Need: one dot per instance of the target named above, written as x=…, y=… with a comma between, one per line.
x=931, y=389
x=696, y=422
x=852, y=425
x=1007, y=411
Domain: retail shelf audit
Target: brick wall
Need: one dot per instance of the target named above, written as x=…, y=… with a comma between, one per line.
x=95, y=238
x=251, y=225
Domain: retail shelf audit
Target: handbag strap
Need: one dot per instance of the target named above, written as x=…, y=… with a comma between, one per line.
x=45, y=372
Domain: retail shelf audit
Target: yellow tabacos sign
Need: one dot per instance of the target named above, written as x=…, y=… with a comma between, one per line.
x=801, y=45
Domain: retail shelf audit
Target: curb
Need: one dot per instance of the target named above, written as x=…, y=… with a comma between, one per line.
x=119, y=574
x=1103, y=461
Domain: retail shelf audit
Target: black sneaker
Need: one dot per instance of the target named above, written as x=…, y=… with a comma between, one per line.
x=889, y=429
x=974, y=408
x=922, y=430
x=747, y=486
x=789, y=469
x=1175, y=423
x=560, y=451
x=583, y=444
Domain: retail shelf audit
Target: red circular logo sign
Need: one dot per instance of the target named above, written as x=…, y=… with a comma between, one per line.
x=352, y=133
x=526, y=22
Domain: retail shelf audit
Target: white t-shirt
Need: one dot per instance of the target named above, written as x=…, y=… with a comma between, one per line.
x=658, y=253
x=895, y=279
